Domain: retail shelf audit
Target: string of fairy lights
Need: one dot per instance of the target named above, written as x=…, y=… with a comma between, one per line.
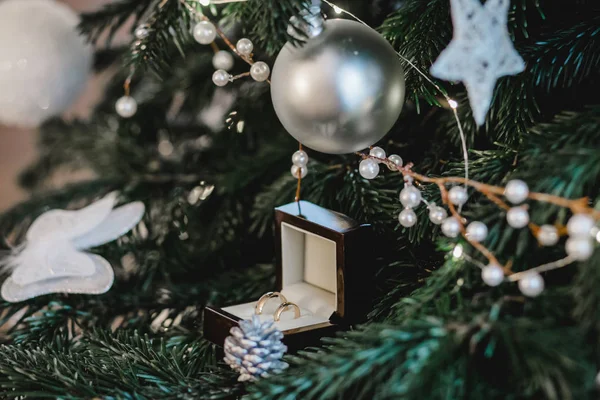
x=581, y=230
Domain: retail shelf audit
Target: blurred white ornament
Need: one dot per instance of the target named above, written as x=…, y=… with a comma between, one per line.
x=221, y=77
x=44, y=63
x=244, y=47
x=516, y=191
x=300, y=158
x=451, y=227
x=477, y=231
x=377, y=152
x=302, y=169
x=126, y=106
x=368, y=168
x=548, y=235
x=458, y=195
x=517, y=217
x=407, y=218
x=142, y=31
x=492, y=274
x=437, y=214
x=410, y=196
x=260, y=71
x=580, y=225
x=480, y=51
x=532, y=284
x=397, y=160
x=580, y=248
x=205, y=32
x=223, y=60
x=52, y=259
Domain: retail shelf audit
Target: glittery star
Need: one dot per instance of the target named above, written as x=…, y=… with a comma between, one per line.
x=480, y=51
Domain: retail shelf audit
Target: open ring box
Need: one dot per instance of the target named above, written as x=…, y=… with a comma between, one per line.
x=322, y=266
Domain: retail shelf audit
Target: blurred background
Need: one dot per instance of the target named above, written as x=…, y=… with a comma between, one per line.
x=18, y=145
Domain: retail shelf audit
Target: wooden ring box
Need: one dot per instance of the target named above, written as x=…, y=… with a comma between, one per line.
x=322, y=266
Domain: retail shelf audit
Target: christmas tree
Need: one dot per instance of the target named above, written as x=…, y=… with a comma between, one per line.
x=508, y=308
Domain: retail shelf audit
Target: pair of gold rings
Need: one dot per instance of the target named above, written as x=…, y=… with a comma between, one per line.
x=283, y=306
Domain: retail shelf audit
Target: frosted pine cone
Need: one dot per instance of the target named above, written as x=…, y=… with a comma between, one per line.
x=254, y=349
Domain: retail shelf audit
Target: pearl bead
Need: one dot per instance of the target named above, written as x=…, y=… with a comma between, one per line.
x=458, y=195
x=303, y=171
x=517, y=217
x=451, y=227
x=410, y=196
x=407, y=218
x=580, y=248
x=548, y=235
x=377, y=152
x=223, y=60
x=437, y=214
x=397, y=160
x=244, y=47
x=205, y=32
x=492, y=274
x=221, y=77
x=368, y=168
x=477, y=231
x=300, y=158
x=142, y=32
x=580, y=225
x=532, y=284
x=260, y=71
x=126, y=106
x=516, y=191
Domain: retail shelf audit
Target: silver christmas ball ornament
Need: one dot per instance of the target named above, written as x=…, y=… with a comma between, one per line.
x=532, y=284
x=580, y=225
x=437, y=214
x=396, y=160
x=368, y=168
x=492, y=274
x=516, y=191
x=451, y=227
x=221, y=77
x=377, y=152
x=407, y=218
x=410, y=196
x=244, y=47
x=458, y=195
x=341, y=91
x=300, y=158
x=254, y=349
x=126, y=106
x=477, y=231
x=580, y=248
x=548, y=235
x=299, y=169
x=260, y=71
x=517, y=217
x=204, y=32
x=223, y=60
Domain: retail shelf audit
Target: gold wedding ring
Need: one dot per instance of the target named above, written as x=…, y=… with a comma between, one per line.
x=283, y=307
x=258, y=308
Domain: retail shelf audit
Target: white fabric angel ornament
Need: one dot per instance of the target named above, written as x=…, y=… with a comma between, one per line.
x=53, y=260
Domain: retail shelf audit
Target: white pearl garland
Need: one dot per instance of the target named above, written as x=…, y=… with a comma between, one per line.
x=223, y=60
x=437, y=214
x=204, y=32
x=580, y=225
x=368, y=168
x=397, y=160
x=516, y=191
x=458, y=195
x=126, y=106
x=303, y=171
x=492, y=274
x=377, y=152
x=532, y=284
x=221, y=77
x=517, y=217
x=410, y=196
x=300, y=158
x=451, y=227
x=477, y=231
x=548, y=235
x=580, y=248
x=260, y=71
x=407, y=218
x=244, y=47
